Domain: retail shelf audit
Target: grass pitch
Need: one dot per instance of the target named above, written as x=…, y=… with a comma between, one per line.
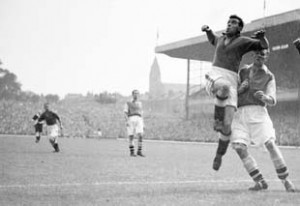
x=101, y=172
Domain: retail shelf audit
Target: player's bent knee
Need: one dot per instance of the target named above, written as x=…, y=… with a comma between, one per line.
x=223, y=92
x=240, y=148
x=270, y=144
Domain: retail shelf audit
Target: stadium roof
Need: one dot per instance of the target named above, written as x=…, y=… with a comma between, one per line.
x=189, y=48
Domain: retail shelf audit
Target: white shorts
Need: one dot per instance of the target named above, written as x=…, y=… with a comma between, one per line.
x=252, y=124
x=218, y=76
x=53, y=132
x=135, y=125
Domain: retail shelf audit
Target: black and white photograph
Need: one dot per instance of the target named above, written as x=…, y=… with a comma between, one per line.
x=149, y=102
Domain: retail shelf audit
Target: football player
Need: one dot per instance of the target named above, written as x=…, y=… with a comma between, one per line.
x=222, y=80
x=38, y=127
x=134, y=123
x=252, y=122
x=54, y=124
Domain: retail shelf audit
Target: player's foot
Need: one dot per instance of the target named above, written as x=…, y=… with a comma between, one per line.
x=217, y=162
x=132, y=154
x=289, y=186
x=140, y=154
x=261, y=185
x=37, y=139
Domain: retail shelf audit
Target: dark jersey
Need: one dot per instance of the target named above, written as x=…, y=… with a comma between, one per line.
x=229, y=56
x=50, y=117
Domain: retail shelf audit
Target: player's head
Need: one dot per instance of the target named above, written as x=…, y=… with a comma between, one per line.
x=261, y=56
x=46, y=106
x=135, y=93
x=235, y=25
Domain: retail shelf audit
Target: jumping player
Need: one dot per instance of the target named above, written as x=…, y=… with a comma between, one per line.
x=222, y=80
x=252, y=122
x=134, y=122
x=38, y=127
x=53, y=123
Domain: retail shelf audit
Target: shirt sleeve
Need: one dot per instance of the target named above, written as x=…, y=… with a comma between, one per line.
x=242, y=73
x=125, y=108
x=271, y=90
x=35, y=117
x=251, y=44
x=42, y=117
x=56, y=116
x=212, y=38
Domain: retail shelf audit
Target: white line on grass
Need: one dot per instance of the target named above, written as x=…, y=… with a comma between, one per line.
x=129, y=183
x=199, y=143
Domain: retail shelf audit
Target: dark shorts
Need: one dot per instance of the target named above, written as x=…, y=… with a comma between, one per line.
x=38, y=127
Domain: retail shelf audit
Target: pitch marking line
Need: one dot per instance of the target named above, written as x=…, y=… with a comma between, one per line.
x=128, y=183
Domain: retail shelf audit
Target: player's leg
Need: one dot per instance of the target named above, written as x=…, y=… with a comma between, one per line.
x=220, y=89
x=130, y=134
x=131, y=145
x=224, y=137
x=38, y=131
x=279, y=164
x=221, y=151
x=264, y=134
x=250, y=166
x=223, y=121
x=56, y=146
x=140, y=131
x=140, y=145
x=53, y=137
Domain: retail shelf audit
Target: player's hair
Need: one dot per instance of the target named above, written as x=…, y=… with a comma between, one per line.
x=135, y=90
x=266, y=52
x=241, y=22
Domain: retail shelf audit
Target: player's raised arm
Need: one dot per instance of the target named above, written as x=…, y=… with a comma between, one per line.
x=260, y=35
x=212, y=38
x=297, y=44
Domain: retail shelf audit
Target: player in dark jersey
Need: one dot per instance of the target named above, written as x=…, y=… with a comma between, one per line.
x=222, y=80
x=54, y=124
x=38, y=127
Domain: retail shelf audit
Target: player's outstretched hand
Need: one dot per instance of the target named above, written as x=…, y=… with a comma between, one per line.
x=205, y=28
x=297, y=44
x=259, y=34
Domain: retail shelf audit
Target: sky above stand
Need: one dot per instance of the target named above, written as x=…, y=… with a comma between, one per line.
x=80, y=46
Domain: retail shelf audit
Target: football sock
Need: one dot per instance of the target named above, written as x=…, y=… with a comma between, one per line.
x=252, y=168
x=140, y=144
x=131, y=149
x=219, y=113
x=278, y=160
x=222, y=147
